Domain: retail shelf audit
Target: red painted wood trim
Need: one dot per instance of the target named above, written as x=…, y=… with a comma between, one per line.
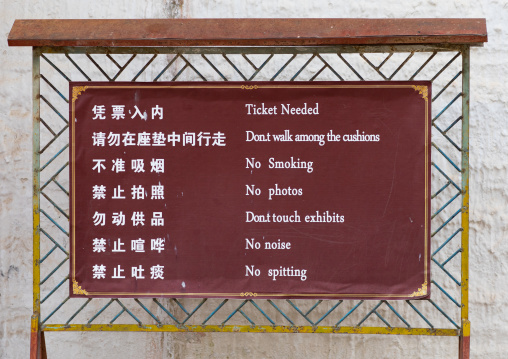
x=246, y=32
x=464, y=347
x=35, y=336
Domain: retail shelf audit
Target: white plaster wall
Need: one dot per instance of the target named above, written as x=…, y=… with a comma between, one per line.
x=488, y=187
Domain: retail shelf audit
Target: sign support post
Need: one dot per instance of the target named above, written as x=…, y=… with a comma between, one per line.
x=464, y=342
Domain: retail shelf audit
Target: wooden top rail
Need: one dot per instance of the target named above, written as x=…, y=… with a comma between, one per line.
x=247, y=32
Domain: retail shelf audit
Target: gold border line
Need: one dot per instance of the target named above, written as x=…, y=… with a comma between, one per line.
x=326, y=295
x=73, y=217
x=314, y=295
x=426, y=186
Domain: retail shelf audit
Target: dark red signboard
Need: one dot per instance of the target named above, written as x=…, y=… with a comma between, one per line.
x=268, y=190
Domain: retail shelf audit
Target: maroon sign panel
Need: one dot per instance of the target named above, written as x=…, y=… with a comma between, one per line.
x=268, y=190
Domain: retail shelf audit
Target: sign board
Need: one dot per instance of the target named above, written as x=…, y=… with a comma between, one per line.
x=269, y=190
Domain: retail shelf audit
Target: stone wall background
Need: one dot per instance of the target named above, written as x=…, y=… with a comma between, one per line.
x=488, y=188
